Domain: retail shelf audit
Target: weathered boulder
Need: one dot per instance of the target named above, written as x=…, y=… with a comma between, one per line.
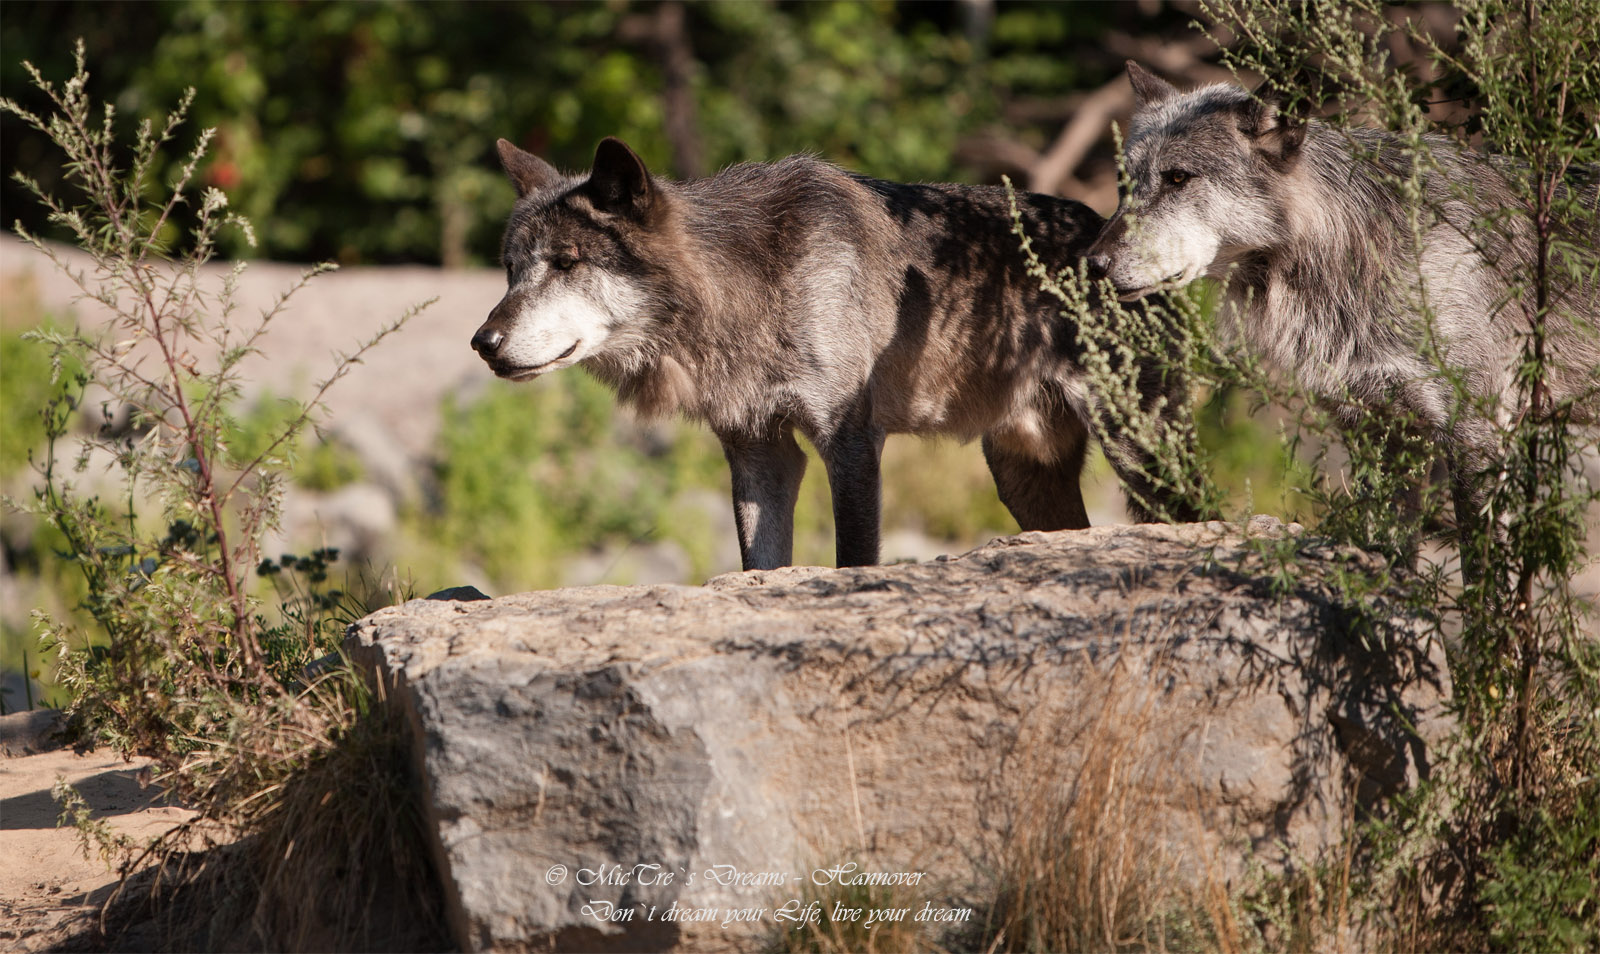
x=603, y=766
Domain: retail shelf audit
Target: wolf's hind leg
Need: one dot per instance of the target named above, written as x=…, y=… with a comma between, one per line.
x=766, y=483
x=853, y=455
x=1041, y=495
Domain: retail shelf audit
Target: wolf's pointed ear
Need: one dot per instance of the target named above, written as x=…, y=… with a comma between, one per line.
x=619, y=181
x=528, y=172
x=1276, y=125
x=1148, y=88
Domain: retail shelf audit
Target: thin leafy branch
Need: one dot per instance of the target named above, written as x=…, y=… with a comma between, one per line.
x=182, y=659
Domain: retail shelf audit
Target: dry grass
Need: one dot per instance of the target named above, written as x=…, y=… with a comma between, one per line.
x=341, y=862
x=1319, y=908
x=1092, y=855
x=1083, y=862
x=1083, y=858
x=1335, y=902
x=843, y=935
x=312, y=839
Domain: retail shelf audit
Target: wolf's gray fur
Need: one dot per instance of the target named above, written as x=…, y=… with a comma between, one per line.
x=1309, y=226
x=792, y=296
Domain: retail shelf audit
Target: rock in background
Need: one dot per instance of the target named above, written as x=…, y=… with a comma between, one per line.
x=907, y=718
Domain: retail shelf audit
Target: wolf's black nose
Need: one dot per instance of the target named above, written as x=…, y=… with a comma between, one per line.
x=487, y=341
x=1099, y=265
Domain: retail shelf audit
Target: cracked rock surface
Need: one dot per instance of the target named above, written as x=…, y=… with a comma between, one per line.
x=691, y=749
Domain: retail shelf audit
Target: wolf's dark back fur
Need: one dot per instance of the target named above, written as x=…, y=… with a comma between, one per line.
x=781, y=276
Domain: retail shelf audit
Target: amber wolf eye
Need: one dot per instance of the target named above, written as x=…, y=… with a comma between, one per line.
x=1176, y=177
x=562, y=261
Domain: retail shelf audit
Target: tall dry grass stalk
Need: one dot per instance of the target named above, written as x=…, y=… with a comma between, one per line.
x=1104, y=843
x=1085, y=860
x=831, y=935
x=326, y=854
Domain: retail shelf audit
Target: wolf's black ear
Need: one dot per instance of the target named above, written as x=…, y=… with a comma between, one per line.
x=528, y=172
x=619, y=181
x=1148, y=88
x=1276, y=124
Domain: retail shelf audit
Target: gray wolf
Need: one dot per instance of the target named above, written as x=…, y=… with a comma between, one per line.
x=1308, y=225
x=794, y=296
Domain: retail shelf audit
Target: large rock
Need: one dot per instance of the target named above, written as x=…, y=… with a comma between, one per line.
x=745, y=734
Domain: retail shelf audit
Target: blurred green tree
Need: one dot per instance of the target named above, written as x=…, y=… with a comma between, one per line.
x=364, y=132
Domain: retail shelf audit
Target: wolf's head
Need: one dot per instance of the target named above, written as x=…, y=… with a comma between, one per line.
x=577, y=287
x=1203, y=166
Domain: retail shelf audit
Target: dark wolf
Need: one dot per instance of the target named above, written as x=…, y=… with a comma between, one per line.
x=794, y=296
x=1309, y=226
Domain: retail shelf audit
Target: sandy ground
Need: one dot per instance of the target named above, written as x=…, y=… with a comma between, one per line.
x=46, y=883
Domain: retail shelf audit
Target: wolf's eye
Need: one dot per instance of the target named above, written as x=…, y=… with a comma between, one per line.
x=1176, y=177
x=561, y=261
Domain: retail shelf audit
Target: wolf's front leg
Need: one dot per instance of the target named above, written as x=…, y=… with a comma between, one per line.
x=766, y=483
x=852, y=456
x=1476, y=534
x=1150, y=472
x=1149, y=492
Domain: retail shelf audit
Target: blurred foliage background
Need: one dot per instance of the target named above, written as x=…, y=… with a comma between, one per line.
x=364, y=133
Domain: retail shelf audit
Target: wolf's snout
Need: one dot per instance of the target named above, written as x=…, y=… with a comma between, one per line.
x=487, y=341
x=1099, y=265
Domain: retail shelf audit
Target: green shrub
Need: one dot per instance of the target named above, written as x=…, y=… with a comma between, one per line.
x=518, y=491
x=1542, y=892
x=942, y=488
x=326, y=466
x=1502, y=836
x=174, y=657
x=28, y=384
